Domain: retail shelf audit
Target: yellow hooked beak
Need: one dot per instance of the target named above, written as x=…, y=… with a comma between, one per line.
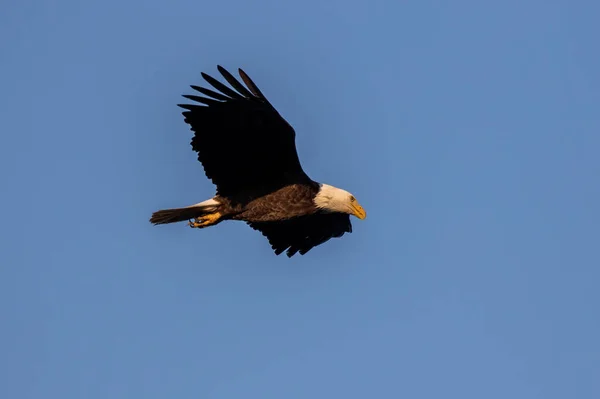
x=358, y=210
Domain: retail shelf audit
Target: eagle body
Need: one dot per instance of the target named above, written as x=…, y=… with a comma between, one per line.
x=248, y=151
x=291, y=201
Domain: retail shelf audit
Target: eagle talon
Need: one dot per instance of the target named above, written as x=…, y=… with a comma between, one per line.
x=197, y=223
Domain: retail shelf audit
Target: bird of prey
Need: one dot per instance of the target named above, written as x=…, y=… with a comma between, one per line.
x=248, y=150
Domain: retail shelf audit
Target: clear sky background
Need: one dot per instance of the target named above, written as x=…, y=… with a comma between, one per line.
x=469, y=130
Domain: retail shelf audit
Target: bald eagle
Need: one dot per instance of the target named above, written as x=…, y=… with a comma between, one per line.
x=248, y=151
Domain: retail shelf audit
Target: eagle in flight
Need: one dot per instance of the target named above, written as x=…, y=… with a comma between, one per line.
x=249, y=152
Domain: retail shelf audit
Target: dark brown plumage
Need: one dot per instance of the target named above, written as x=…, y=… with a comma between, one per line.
x=248, y=151
x=247, y=148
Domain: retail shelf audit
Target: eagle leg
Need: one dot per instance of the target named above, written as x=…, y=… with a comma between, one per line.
x=205, y=220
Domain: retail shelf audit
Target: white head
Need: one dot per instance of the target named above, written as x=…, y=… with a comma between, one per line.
x=333, y=199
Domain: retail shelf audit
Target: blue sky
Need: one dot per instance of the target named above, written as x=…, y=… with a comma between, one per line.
x=469, y=131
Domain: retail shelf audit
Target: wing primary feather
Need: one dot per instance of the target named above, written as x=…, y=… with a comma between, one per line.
x=234, y=82
x=221, y=87
x=202, y=100
x=291, y=252
x=191, y=107
x=210, y=93
x=253, y=88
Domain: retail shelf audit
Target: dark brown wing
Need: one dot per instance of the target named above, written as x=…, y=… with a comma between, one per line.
x=303, y=233
x=247, y=148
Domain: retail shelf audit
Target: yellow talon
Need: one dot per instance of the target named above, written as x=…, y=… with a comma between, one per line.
x=205, y=221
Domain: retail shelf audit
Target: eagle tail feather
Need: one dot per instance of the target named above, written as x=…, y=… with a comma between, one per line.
x=174, y=215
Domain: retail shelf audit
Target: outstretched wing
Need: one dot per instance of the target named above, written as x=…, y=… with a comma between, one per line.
x=303, y=233
x=246, y=148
